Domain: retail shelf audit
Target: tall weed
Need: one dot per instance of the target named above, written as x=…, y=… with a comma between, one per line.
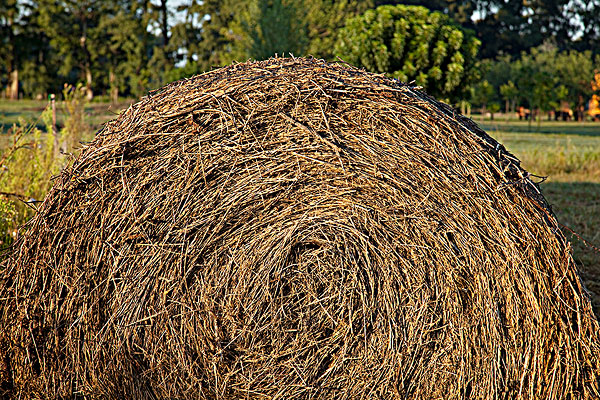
x=31, y=159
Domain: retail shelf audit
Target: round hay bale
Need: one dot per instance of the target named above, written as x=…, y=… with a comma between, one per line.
x=295, y=229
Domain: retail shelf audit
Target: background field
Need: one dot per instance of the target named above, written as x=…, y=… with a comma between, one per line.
x=567, y=153
x=29, y=110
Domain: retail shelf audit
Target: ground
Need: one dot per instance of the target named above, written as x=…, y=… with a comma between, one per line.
x=567, y=153
x=30, y=110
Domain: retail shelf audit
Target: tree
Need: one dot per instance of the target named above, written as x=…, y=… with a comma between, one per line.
x=509, y=93
x=120, y=46
x=325, y=18
x=412, y=44
x=460, y=11
x=483, y=94
x=544, y=69
x=209, y=32
x=16, y=44
x=575, y=70
x=38, y=63
x=8, y=51
x=275, y=27
x=588, y=15
x=72, y=26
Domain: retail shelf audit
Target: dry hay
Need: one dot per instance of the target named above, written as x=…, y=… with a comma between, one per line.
x=294, y=229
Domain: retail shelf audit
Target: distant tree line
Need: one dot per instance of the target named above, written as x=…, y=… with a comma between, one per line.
x=543, y=80
x=127, y=47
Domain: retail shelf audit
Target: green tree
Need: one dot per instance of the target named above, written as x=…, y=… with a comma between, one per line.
x=275, y=27
x=536, y=80
x=18, y=35
x=208, y=33
x=575, y=70
x=120, y=48
x=460, y=11
x=72, y=26
x=545, y=69
x=9, y=26
x=483, y=94
x=214, y=33
x=510, y=94
x=39, y=62
x=588, y=13
x=325, y=18
x=412, y=44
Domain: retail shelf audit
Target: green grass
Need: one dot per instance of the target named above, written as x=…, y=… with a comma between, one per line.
x=571, y=155
x=568, y=153
x=562, y=158
x=29, y=110
x=587, y=128
x=577, y=206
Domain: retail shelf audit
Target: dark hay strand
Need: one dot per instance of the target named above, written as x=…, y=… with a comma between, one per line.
x=294, y=229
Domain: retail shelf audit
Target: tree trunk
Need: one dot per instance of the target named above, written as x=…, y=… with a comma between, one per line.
x=164, y=11
x=14, y=85
x=13, y=69
x=89, y=93
x=530, y=117
x=114, y=90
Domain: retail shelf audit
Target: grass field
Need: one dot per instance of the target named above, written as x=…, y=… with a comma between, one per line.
x=567, y=153
x=30, y=110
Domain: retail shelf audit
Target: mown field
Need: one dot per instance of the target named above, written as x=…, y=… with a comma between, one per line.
x=567, y=153
x=12, y=112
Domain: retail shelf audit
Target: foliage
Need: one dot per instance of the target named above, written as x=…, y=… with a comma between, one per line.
x=26, y=167
x=411, y=43
x=276, y=28
x=25, y=59
x=208, y=33
x=324, y=20
x=28, y=163
x=509, y=93
x=543, y=78
x=127, y=47
x=483, y=94
x=236, y=31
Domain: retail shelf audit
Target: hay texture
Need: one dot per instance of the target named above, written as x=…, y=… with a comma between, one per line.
x=294, y=229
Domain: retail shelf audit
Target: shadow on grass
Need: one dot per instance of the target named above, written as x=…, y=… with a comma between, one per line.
x=577, y=206
x=6, y=127
x=547, y=127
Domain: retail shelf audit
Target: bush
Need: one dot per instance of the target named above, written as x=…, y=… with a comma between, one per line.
x=32, y=157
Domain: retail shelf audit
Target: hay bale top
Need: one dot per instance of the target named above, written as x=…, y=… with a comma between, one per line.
x=296, y=229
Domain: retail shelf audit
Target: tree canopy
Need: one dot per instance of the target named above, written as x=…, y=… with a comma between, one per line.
x=541, y=79
x=412, y=44
x=127, y=47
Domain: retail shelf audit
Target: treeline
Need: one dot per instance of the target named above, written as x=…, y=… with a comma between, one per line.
x=127, y=47
x=543, y=80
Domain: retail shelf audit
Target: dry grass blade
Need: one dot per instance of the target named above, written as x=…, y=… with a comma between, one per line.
x=294, y=229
